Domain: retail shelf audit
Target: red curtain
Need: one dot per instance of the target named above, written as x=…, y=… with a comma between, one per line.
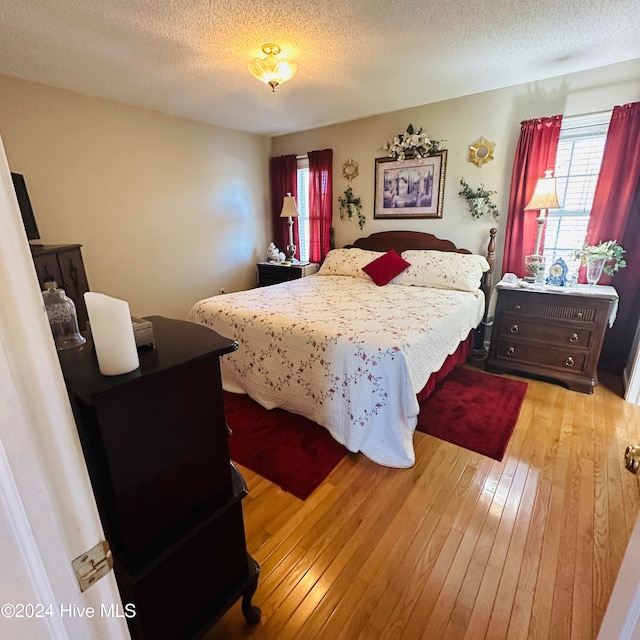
x=283, y=172
x=535, y=154
x=320, y=203
x=615, y=215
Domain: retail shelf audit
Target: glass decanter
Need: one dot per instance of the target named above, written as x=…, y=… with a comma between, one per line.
x=63, y=320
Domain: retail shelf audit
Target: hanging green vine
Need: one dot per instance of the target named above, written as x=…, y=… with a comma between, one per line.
x=351, y=206
x=479, y=201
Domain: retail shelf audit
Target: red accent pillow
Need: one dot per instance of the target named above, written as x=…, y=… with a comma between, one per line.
x=385, y=268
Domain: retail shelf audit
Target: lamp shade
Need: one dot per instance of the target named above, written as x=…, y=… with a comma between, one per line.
x=289, y=209
x=544, y=195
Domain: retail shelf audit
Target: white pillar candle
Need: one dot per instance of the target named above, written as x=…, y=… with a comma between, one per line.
x=112, y=334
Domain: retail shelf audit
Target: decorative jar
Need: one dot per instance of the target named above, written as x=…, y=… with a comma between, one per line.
x=63, y=320
x=595, y=265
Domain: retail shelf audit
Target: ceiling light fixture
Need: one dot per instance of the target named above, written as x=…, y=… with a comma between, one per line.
x=270, y=70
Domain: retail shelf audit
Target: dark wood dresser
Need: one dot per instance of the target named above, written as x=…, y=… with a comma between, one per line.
x=63, y=263
x=273, y=273
x=155, y=443
x=551, y=334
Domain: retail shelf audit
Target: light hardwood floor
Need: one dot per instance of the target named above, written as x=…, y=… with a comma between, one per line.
x=459, y=546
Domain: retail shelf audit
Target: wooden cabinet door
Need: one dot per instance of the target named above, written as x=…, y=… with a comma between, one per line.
x=64, y=265
x=74, y=281
x=48, y=269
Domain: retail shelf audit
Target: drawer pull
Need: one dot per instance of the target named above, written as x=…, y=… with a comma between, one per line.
x=569, y=362
x=579, y=314
x=517, y=307
x=510, y=351
x=514, y=328
x=574, y=337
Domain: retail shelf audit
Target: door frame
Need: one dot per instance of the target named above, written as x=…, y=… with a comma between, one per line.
x=622, y=617
x=48, y=515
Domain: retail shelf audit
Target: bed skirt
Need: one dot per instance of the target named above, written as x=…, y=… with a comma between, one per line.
x=459, y=356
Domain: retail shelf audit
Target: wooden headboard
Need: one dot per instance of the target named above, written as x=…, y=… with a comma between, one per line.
x=405, y=240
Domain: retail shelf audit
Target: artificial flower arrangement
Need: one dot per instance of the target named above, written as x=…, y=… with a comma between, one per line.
x=413, y=143
x=351, y=206
x=479, y=201
x=609, y=250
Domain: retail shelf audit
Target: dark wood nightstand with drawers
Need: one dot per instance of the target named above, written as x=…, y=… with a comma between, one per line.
x=274, y=273
x=551, y=332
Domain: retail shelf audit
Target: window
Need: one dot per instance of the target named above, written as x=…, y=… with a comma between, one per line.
x=580, y=149
x=303, y=209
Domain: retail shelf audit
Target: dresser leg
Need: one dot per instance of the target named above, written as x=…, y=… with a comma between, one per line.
x=250, y=611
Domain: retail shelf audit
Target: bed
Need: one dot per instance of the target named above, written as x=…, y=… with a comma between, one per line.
x=353, y=351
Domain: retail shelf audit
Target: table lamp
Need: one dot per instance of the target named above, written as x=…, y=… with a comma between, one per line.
x=289, y=210
x=544, y=197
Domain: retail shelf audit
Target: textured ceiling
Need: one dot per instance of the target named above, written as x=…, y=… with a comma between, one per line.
x=355, y=58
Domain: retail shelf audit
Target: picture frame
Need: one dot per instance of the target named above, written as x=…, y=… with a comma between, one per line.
x=412, y=188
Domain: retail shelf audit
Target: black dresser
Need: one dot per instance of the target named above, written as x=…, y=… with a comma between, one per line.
x=155, y=443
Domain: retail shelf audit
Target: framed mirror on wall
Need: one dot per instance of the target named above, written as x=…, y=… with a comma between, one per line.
x=481, y=151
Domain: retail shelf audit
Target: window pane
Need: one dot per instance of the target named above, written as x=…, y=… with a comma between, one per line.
x=578, y=161
x=303, y=213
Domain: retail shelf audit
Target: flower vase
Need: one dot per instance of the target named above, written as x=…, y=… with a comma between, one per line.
x=595, y=265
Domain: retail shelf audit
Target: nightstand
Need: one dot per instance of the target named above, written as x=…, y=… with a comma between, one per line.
x=274, y=272
x=551, y=332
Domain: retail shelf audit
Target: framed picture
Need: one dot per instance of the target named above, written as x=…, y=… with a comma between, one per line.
x=411, y=188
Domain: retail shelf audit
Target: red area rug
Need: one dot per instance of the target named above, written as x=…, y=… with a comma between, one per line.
x=475, y=410
x=470, y=408
x=289, y=450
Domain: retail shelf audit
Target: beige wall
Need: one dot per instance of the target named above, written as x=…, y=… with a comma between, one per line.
x=496, y=115
x=168, y=211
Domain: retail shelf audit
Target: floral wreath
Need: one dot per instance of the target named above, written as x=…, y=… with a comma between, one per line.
x=413, y=143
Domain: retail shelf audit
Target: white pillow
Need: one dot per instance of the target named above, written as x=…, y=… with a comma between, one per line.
x=443, y=270
x=348, y=262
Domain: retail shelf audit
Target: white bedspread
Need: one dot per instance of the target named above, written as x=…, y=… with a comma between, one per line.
x=342, y=352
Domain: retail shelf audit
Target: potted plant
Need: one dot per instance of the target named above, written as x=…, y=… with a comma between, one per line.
x=351, y=206
x=479, y=201
x=606, y=256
